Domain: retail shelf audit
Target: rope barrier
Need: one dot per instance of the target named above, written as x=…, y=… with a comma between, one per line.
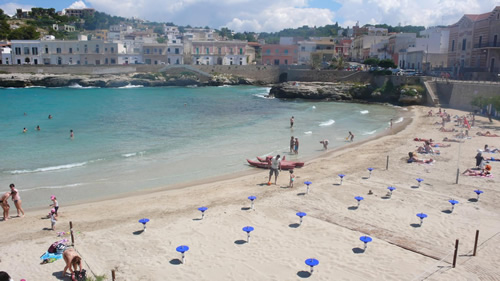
x=433, y=266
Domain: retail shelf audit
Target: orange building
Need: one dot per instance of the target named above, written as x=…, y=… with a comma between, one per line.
x=273, y=54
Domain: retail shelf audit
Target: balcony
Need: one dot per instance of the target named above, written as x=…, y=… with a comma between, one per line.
x=487, y=45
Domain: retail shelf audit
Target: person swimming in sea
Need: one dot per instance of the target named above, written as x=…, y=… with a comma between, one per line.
x=71, y=134
x=25, y=130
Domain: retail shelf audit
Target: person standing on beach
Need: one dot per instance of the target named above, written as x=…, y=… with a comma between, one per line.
x=275, y=169
x=296, y=147
x=54, y=204
x=53, y=219
x=292, y=144
x=391, y=123
x=325, y=144
x=292, y=178
x=5, y=205
x=291, y=122
x=16, y=199
x=350, y=136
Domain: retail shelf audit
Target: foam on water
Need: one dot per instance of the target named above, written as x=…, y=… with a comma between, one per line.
x=327, y=123
x=364, y=112
x=308, y=133
x=48, y=169
x=78, y=86
x=369, y=133
x=400, y=119
x=130, y=86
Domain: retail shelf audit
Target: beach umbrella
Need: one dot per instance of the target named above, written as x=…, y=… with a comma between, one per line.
x=144, y=221
x=366, y=240
x=478, y=192
x=312, y=263
x=251, y=199
x=422, y=216
x=182, y=249
x=453, y=202
x=359, y=198
x=370, y=170
x=391, y=189
x=301, y=215
x=419, y=181
x=248, y=229
x=307, y=183
x=202, y=210
x=341, y=178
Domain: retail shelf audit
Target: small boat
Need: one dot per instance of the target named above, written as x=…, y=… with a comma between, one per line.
x=283, y=162
x=266, y=165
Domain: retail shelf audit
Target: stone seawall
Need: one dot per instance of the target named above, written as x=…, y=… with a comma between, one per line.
x=459, y=94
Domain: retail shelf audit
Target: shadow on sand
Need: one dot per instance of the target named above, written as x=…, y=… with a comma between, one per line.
x=293, y=225
x=175, y=261
x=358, y=250
x=352, y=208
x=304, y=274
x=138, y=232
x=416, y=225
x=240, y=242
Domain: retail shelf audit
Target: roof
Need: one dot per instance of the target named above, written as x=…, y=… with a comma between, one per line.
x=478, y=17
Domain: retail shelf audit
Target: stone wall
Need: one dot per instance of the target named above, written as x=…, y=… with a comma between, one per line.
x=68, y=69
x=307, y=75
x=461, y=93
x=265, y=73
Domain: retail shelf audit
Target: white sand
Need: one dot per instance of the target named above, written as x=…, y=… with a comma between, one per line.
x=277, y=251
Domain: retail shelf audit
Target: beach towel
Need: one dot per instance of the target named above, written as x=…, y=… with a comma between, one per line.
x=49, y=257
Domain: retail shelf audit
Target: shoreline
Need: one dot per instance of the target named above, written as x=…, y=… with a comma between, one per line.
x=398, y=127
x=108, y=236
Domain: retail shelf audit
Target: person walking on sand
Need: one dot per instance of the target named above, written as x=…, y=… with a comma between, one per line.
x=53, y=219
x=291, y=122
x=72, y=260
x=5, y=205
x=350, y=137
x=292, y=144
x=54, y=204
x=292, y=178
x=16, y=199
x=275, y=169
x=296, y=146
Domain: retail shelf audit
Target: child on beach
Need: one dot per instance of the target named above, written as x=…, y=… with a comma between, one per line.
x=53, y=219
x=54, y=204
x=325, y=144
x=292, y=178
x=296, y=146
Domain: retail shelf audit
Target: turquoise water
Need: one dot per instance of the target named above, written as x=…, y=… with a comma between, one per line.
x=137, y=138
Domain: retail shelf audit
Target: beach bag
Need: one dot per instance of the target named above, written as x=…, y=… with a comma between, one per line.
x=60, y=248
x=81, y=275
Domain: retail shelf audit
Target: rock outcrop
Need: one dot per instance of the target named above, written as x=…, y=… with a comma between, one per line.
x=312, y=90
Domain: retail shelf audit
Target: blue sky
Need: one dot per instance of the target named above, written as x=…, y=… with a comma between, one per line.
x=274, y=15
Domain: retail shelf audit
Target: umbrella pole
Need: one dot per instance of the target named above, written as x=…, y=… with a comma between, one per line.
x=183, y=259
x=248, y=237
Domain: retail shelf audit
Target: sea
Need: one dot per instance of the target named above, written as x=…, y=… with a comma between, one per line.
x=138, y=138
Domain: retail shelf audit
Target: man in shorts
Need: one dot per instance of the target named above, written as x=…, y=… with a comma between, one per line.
x=275, y=169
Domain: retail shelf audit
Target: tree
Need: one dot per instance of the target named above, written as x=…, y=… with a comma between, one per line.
x=225, y=33
x=159, y=30
x=386, y=63
x=240, y=36
x=27, y=32
x=371, y=61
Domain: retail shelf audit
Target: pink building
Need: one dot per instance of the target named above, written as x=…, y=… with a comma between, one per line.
x=279, y=54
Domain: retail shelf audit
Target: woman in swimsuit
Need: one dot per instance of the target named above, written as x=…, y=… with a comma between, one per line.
x=17, y=199
x=72, y=260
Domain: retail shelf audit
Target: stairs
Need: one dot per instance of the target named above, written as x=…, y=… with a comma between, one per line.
x=431, y=93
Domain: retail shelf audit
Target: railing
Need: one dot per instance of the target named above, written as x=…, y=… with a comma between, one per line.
x=487, y=45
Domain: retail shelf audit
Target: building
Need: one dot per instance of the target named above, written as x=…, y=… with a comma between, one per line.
x=154, y=53
x=6, y=54
x=219, y=52
x=64, y=27
x=474, y=44
x=430, y=51
x=360, y=46
x=273, y=54
x=80, y=13
x=397, y=48
x=324, y=51
x=25, y=52
x=306, y=48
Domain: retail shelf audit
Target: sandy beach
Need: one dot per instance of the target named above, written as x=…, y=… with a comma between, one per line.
x=108, y=234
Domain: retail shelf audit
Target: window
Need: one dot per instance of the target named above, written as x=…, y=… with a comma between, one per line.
x=26, y=50
x=495, y=40
x=168, y=60
x=177, y=61
x=160, y=51
x=155, y=50
x=18, y=51
x=112, y=50
x=464, y=41
x=168, y=50
x=97, y=49
x=70, y=50
x=113, y=61
x=34, y=51
x=286, y=61
x=480, y=41
x=177, y=51
x=286, y=52
x=208, y=51
x=197, y=50
x=277, y=51
x=18, y=60
x=302, y=49
x=452, y=45
x=106, y=61
x=231, y=51
x=241, y=51
x=85, y=50
x=220, y=51
x=46, y=49
x=268, y=51
x=58, y=50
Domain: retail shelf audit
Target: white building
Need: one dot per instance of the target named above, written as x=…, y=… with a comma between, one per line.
x=430, y=50
x=6, y=57
x=26, y=52
x=219, y=52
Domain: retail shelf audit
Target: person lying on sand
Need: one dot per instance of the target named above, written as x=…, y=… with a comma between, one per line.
x=443, y=129
x=484, y=172
x=427, y=149
x=452, y=140
x=492, y=159
x=490, y=150
x=412, y=158
x=487, y=134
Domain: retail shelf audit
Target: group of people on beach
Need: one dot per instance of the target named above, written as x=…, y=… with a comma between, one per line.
x=294, y=145
x=71, y=133
x=16, y=199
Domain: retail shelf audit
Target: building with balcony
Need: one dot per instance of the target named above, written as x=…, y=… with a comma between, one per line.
x=80, y=13
x=360, y=46
x=6, y=55
x=64, y=27
x=306, y=48
x=273, y=54
x=475, y=44
x=324, y=51
x=430, y=51
x=25, y=52
x=154, y=53
x=218, y=52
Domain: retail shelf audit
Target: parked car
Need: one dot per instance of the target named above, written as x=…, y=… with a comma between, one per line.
x=406, y=72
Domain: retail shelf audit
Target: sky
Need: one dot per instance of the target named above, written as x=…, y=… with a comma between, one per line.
x=275, y=15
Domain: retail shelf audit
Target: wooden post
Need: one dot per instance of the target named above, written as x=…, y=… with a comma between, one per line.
x=387, y=163
x=458, y=173
x=455, y=255
x=71, y=232
x=113, y=275
x=475, y=242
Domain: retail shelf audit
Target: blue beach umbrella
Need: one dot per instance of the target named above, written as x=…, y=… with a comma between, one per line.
x=453, y=202
x=312, y=263
x=422, y=216
x=251, y=198
x=182, y=249
x=391, y=189
x=248, y=229
x=365, y=239
x=341, y=177
x=478, y=192
x=419, y=181
x=307, y=183
x=144, y=221
x=359, y=198
x=202, y=210
x=370, y=170
x=301, y=215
